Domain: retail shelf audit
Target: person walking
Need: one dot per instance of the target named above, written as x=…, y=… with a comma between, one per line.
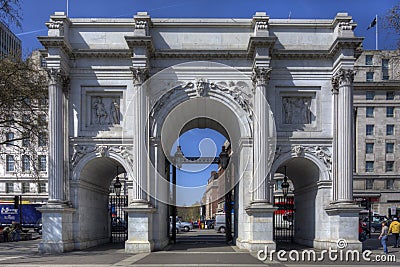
x=394, y=229
x=384, y=236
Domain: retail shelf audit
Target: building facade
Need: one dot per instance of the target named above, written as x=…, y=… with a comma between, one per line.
x=377, y=146
x=23, y=173
x=10, y=45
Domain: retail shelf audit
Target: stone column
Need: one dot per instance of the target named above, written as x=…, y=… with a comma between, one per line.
x=342, y=83
x=261, y=131
x=260, y=212
x=56, y=152
x=342, y=212
x=57, y=234
x=140, y=116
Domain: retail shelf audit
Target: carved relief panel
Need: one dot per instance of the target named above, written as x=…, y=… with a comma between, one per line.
x=298, y=108
x=101, y=109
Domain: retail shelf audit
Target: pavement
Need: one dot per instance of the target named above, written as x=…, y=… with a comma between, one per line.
x=196, y=248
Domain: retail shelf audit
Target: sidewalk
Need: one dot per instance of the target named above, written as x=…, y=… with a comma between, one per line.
x=187, y=253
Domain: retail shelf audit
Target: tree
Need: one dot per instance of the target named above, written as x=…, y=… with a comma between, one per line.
x=23, y=114
x=392, y=20
x=10, y=12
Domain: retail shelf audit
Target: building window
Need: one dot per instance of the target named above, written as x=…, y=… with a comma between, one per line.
x=42, y=120
x=369, y=184
x=369, y=166
x=42, y=139
x=10, y=163
x=390, y=183
x=26, y=188
x=390, y=112
x=390, y=95
x=42, y=163
x=370, y=95
x=42, y=188
x=369, y=112
x=389, y=148
x=26, y=141
x=9, y=139
x=369, y=148
x=385, y=69
x=389, y=166
x=370, y=77
x=390, y=129
x=26, y=163
x=9, y=187
x=369, y=130
x=368, y=60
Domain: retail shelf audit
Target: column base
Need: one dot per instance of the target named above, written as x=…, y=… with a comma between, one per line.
x=344, y=220
x=139, y=228
x=50, y=247
x=57, y=233
x=261, y=228
x=133, y=246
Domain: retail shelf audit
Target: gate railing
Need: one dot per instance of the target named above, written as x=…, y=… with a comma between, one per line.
x=284, y=219
x=119, y=218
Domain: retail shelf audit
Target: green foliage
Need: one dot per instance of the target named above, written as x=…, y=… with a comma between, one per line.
x=10, y=12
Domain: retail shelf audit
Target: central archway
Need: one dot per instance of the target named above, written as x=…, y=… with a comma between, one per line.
x=203, y=95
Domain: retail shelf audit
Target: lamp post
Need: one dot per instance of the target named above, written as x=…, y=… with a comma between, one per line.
x=224, y=161
x=117, y=185
x=285, y=186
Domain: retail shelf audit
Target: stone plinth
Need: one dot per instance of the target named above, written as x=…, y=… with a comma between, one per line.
x=139, y=229
x=261, y=228
x=57, y=234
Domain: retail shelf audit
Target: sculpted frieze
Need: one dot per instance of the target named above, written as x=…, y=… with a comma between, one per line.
x=79, y=151
x=321, y=152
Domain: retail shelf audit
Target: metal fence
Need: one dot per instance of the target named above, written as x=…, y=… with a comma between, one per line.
x=284, y=219
x=119, y=218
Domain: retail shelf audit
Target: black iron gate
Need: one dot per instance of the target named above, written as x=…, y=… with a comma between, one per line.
x=119, y=218
x=284, y=219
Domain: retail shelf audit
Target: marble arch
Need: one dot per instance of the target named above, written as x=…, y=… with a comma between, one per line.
x=102, y=97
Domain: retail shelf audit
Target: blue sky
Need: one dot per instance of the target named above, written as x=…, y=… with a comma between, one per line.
x=37, y=12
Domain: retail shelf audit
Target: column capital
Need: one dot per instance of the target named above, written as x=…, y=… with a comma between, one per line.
x=139, y=75
x=59, y=77
x=261, y=76
x=341, y=78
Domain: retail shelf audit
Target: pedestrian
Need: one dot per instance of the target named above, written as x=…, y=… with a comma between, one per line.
x=394, y=229
x=16, y=231
x=384, y=236
x=6, y=232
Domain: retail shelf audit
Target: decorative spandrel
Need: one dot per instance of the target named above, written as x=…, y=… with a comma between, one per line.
x=296, y=110
x=105, y=110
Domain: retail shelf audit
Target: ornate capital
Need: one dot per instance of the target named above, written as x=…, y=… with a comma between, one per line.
x=344, y=77
x=261, y=76
x=59, y=77
x=139, y=75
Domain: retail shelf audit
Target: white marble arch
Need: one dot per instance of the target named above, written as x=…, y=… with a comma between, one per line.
x=182, y=107
x=89, y=189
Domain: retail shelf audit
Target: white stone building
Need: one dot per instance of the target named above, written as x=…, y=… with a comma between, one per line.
x=377, y=146
x=122, y=90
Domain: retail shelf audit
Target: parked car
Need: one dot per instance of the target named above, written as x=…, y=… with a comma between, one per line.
x=186, y=226
x=376, y=223
x=119, y=224
x=178, y=227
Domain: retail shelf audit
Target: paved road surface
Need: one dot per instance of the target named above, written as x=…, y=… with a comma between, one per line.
x=197, y=248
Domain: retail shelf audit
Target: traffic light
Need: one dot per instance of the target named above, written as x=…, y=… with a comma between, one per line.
x=16, y=202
